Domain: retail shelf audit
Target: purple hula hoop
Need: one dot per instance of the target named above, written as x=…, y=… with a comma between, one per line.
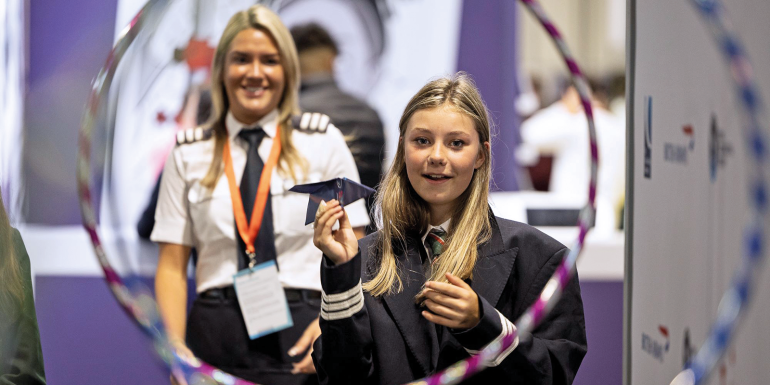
x=138, y=304
x=142, y=308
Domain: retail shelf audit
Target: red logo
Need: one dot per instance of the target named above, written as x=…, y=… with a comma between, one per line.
x=664, y=331
x=690, y=133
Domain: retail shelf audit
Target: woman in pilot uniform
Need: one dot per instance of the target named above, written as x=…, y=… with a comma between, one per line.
x=254, y=95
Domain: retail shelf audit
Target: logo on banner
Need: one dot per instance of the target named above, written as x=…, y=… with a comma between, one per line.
x=648, y=137
x=677, y=152
x=719, y=149
x=656, y=346
x=689, y=133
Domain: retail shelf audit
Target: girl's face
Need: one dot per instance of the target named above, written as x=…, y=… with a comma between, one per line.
x=441, y=152
x=253, y=75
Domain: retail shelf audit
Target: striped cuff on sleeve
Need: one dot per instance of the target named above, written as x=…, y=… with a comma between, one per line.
x=508, y=328
x=342, y=305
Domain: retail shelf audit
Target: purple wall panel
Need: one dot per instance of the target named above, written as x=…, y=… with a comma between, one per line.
x=88, y=339
x=603, y=306
x=488, y=52
x=68, y=43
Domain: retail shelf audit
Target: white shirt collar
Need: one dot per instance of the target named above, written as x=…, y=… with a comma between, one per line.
x=268, y=123
x=444, y=226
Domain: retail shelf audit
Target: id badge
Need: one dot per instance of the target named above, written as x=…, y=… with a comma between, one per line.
x=262, y=299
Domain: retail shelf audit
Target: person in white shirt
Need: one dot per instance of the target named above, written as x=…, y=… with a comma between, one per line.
x=561, y=130
x=254, y=91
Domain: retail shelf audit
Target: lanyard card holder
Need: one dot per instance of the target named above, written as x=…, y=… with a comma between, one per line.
x=262, y=300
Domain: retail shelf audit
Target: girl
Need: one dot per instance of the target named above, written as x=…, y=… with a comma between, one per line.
x=254, y=95
x=444, y=277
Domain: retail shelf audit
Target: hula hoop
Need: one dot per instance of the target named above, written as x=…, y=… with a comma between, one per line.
x=138, y=304
x=142, y=308
x=734, y=302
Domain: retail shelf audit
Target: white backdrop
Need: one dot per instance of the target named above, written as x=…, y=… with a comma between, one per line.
x=152, y=85
x=687, y=216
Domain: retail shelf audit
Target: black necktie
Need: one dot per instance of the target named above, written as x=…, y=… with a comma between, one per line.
x=264, y=245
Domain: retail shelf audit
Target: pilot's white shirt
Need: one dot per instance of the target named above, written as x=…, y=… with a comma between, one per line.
x=192, y=215
x=556, y=131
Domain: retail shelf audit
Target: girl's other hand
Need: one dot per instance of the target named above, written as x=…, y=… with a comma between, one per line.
x=454, y=304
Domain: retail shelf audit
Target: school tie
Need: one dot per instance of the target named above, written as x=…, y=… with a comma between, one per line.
x=264, y=245
x=435, y=242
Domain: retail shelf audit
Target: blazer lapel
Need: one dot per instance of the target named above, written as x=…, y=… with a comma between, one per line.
x=418, y=333
x=493, y=267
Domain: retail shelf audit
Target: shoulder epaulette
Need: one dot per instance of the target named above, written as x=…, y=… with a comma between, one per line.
x=192, y=135
x=311, y=122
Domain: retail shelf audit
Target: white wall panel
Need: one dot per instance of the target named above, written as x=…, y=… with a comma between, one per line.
x=687, y=224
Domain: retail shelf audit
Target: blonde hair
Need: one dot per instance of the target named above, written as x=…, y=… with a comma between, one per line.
x=262, y=18
x=402, y=211
x=11, y=289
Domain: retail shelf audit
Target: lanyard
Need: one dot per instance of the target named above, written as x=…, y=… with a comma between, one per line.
x=249, y=230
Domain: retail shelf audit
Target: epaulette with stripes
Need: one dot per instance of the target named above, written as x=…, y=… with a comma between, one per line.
x=311, y=122
x=192, y=135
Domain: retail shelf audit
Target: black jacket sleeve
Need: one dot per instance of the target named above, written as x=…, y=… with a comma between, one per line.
x=343, y=352
x=489, y=329
x=556, y=348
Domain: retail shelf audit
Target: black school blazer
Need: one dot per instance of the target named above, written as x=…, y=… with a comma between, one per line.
x=387, y=341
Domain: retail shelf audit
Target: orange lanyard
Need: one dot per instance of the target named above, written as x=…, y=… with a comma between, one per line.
x=249, y=230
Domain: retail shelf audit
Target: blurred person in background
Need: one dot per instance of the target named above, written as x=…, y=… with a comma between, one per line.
x=560, y=130
x=319, y=92
x=21, y=355
x=617, y=95
x=255, y=77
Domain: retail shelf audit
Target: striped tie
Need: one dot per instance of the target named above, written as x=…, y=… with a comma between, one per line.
x=435, y=242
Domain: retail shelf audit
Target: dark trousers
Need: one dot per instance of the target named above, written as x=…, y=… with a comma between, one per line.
x=216, y=333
